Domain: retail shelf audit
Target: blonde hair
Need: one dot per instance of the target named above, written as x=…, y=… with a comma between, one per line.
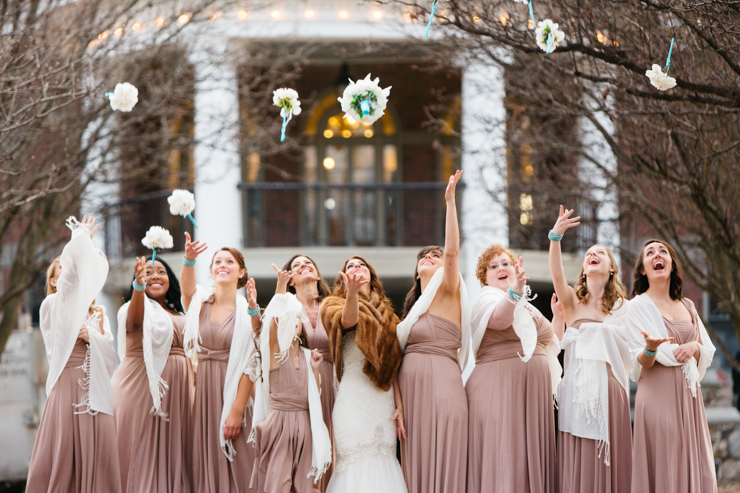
x=489, y=253
x=613, y=291
x=53, y=289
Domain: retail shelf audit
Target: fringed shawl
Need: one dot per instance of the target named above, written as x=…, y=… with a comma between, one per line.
x=375, y=337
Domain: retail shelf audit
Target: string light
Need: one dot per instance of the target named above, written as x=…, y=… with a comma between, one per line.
x=343, y=14
x=103, y=35
x=368, y=133
x=275, y=14
x=329, y=163
x=242, y=15
x=137, y=26
x=599, y=37
x=309, y=14
x=118, y=31
x=328, y=134
x=184, y=18
x=159, y=21
x=377, y=14
x=216, y=15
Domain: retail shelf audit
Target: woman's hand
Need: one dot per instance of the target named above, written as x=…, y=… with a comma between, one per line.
x=316, y=359
x=251, y=294
x=89, y=224
x=400, y=428
x=233, y=426
x=283, y=280
x=353, y=283
x=685, y=352
x=557, y=308
x=652, y=343
x=565, y=222
x=84, y=335
x=140, y=271
x=193, y=248
x=520, y=278
x=450, y=192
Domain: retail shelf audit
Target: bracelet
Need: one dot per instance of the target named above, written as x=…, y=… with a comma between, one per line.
x=553, y=237
x=254, y=312
x=514, y=294
x=649, y=352
x=188, y=263
x=137, y=286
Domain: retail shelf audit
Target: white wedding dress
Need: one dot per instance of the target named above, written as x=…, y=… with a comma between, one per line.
x=364, y=434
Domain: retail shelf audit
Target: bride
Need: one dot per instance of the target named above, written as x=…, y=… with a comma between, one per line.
x=361, y=326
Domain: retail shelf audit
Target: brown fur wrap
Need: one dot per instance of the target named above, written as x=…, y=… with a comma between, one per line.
x=375, y=337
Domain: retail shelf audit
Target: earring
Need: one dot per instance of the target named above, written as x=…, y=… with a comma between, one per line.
x=611, y=274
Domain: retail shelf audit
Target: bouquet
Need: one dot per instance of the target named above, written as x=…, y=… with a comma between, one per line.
x=182, y=203
x=124, y=97
x=548, y=35
x=157, y=238
x=364, y=100
x=660, y=79
x=287, y=100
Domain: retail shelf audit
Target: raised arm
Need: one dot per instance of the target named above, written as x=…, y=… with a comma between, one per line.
x=252, y=302
x=188, y=282
x=351, y=311
x=503, y=315
x=565, y=293
x=135, y=316
x=451, y=274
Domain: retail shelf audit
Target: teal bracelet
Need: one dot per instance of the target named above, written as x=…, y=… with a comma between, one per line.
x=553, y=237
x=188, y=263
x=255, y=312
x=649, y=352
x=137, y=286
x=514, y=294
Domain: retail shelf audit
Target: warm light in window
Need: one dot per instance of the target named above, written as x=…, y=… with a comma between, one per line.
x=329, y=163
x=503, y=18
x=330, y=204
x=377, y=14
x=308, y=13
x=530, y=26
x=275, y=14
x=136, y=27
x=333, y=121
x=476, y=19
x=616, y=44
x=242, y=15
x=346, y=133
x=216, y=15
x=159, y=21
x=351, y=120
x=103, y=35
x=599, y=37
x=343, y=14
x=184, y=19
x=328, y=134
x=368, y=133
x=525, y=218
x=525, y=202
x=118, y=31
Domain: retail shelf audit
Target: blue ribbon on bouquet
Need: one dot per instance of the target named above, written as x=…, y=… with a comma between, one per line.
x=668, y=62
x=531, y=14
x=154, y=255
x=431, y=18
x=365, y=107
x=190, y=216
x=282, y=132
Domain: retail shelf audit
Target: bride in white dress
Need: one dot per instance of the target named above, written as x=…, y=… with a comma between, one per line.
x=360, y=323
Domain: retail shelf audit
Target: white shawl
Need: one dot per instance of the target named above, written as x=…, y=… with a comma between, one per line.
x=584, y=390
x=157, y=332
x=241, y=352
x=643, y=315
x=285, y=310
x=523, y=325
x=64, y=313
x=403, y=330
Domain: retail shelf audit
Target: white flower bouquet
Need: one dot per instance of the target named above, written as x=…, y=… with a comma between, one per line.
x=364, y=100
x=124, y=97
x=548, y=35
x=157, y=238
x=182, y=203
x=287, y=100
x=659, y=79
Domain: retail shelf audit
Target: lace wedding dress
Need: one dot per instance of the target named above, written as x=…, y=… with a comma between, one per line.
x=364, y=435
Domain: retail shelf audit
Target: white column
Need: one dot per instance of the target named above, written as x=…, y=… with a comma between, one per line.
x=217, y=163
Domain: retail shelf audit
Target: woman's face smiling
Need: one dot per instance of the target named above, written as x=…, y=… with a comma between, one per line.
x=656, y=262
x=356, y=266
x=303, y=270
x=500, y=272
x=225, y=269
x=430, y=262
x=157, y=280
x=596, y=261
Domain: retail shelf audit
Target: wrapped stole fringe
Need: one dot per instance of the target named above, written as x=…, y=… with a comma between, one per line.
x=85, y=384
x=589, y=403
x=691, y=373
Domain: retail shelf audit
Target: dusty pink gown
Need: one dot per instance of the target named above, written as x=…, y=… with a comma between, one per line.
x=511, y=440
x=434, y=457
x=672, y=448
x=212, y=471
x=283, y=438
x=317, y=339
x=73, y=453
x=154, y=452
x=581, y=468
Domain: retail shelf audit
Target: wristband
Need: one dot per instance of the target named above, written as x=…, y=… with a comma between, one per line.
x=255, y=312
x=188, y=263
x=514, y=294
x=649, y=352
x=553, y=237
x=137, y=286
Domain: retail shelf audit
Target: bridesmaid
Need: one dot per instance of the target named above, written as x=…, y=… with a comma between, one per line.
x=75, y=449
x=511, y=430
x=435, y=337
x=595, y=442
x=292, y=444
x=219, y=334
x=305, y=281
x=153, y=388
x=671, y=351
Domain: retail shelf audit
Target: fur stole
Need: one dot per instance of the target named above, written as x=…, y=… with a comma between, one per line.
x=375, y=337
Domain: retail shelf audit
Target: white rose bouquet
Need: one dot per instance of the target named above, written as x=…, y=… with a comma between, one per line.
x=124, y=97
x=659, y=79
x=287, y=100
x=548, y=35
x=182, y=203
x=157, y=238
x=364, y=100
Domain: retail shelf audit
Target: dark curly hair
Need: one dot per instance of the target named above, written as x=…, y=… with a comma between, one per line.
x=174, y=294
x=641, y=284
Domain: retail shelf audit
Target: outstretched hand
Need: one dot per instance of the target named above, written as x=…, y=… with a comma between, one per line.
x=251, y=294
x=557, y=308
x=520, y=276
x=140, y=271
x=283, y=279
x=353, y=282
x=652, y=343
x=565, y=222
x=450, y=192
x=193, y=248
x=89, y=224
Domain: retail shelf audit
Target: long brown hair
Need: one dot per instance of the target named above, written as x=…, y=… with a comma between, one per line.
x=415, y=291
x=242, y=281
x=321, y=284
x=340, y=290
x=641, y=283
x=613, y=291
